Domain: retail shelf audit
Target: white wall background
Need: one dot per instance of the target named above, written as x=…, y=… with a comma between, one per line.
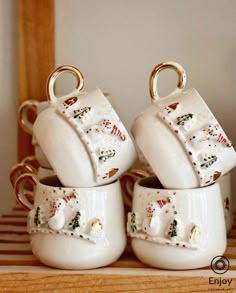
x=116, y=44
x=8, y=71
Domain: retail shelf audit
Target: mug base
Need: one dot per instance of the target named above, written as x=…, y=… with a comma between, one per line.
x=175, y=258
x=65, y=252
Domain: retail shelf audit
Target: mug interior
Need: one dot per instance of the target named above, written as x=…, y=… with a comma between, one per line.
x=150, y=182
x=51, y=181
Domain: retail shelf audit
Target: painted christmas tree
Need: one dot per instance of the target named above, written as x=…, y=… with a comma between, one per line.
x=37, y=217
x=172, y=229
x=183, y=119
x=132, y=224
x=80, y=113
x=208, y=161
x=75, y=221
x=106, y=154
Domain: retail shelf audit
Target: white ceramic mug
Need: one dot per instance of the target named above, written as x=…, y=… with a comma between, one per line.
x=180, y=138
x=82, y=136
x=74, y=228
x=129, y=178
x=27, y=125
x=176, y=229
x=227, y=199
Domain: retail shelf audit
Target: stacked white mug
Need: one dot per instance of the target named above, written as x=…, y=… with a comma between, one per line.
x=38, y=162
x=177, y=218
x=35, y=164
x=77, y=218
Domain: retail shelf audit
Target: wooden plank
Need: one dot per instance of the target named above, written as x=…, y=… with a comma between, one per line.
x=13, y=222
x=21, y=216
x=12, y=229
x=18, y=260
x=19, y=211
x=35, y=57
x=15, y=248
x=39, y=282
x=14, y=238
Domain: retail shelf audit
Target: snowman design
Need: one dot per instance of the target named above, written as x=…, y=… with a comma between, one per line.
x=199, y=139
x=212, y=130
x=215, y=133
x=96, y=131
x=151, y=223
x=105, y=127
x=56, y=219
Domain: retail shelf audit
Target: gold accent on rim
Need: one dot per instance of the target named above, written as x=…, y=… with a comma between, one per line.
x=56, y=73
x=156, y=71
x=23, y=111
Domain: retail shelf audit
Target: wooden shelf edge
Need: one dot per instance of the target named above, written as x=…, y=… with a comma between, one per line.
x=37, y=282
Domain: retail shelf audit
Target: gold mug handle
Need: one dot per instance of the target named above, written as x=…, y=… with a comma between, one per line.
x=31, y=161
x=56, y=73
x=20, y=169
x=128, y=180
x=155, y=73
x=23, y=115
x=19, y=190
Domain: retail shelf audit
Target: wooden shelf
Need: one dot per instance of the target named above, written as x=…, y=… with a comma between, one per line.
x=20, y=271
x=35, y=57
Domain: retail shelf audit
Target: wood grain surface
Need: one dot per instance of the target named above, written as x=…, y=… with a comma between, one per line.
x=35, y=57
x=39, y=282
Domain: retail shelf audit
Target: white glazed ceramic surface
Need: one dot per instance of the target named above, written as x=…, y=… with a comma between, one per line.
x=176, y=229
x=28, y=127
x=74, y=228
x=182, y=141
x=226, y=193
x=84, y=140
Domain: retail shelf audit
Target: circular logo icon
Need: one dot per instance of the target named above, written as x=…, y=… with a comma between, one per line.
x=220, y=264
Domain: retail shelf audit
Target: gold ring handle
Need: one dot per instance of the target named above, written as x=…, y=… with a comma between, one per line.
x=18, y=170
x=31, y=161
x=19, y=190
x=156, y=71
x=128, y=180
x=56, y=73
x=23, y=115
